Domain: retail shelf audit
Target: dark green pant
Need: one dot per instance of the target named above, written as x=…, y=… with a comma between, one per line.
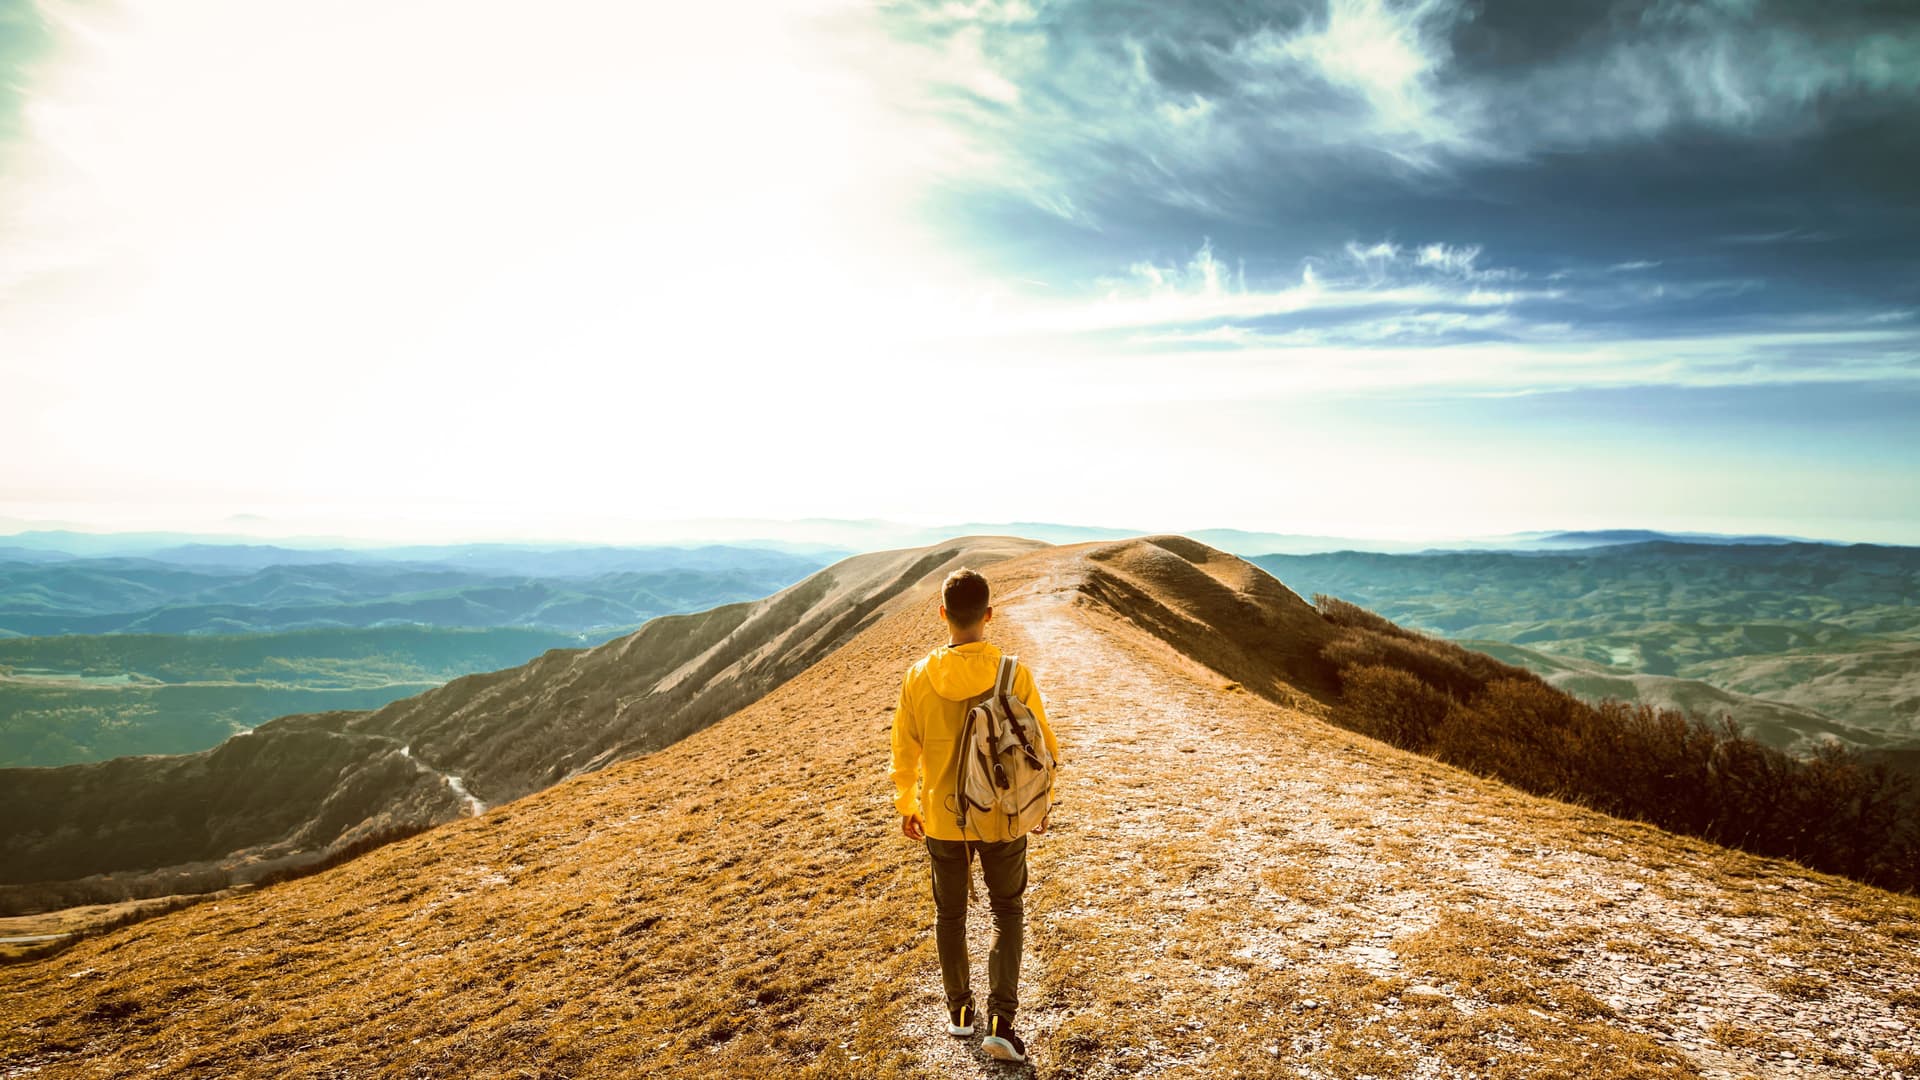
x=1005, y=868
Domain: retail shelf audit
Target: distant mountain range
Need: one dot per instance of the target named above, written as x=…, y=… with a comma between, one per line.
x=822, y=539
x=80, y=698
x=176, y=649
x=224, y=589
x=1595, y=624
x=1245, y=543
x=1678, y=624
x=536, y=560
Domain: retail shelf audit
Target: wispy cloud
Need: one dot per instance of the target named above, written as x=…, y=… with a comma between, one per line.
x=1779, y=236
x=1438, y=318
x=1205, y=295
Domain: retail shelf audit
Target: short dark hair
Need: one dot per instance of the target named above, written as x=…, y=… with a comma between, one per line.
x=965, y=595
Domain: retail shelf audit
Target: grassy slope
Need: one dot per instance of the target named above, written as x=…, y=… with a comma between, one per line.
x=1234, y=888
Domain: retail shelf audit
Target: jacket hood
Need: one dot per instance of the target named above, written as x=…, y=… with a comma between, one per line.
x=958, y=672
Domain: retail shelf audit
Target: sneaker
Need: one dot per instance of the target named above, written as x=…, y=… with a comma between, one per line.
x=960, y=1020
x=1001, y=1042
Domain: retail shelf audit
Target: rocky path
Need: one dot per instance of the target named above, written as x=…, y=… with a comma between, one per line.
x=1231, y=888
x=474, y=807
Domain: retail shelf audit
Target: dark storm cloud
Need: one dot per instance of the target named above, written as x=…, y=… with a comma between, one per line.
x=1632, y=169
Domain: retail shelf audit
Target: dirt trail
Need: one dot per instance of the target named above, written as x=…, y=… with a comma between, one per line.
x=474, y=807
x=1221, y=894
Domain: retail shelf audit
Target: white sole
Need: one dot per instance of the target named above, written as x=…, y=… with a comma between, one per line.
x=1000, y=1048
x=958, y=1031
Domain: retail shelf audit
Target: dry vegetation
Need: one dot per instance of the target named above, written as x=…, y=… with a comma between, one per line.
x=1233, y=887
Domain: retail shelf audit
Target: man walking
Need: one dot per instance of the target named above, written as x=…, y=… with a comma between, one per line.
x=926, y=730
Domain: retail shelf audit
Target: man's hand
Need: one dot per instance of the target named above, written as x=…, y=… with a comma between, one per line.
x=913, y=827
x=1041, y=829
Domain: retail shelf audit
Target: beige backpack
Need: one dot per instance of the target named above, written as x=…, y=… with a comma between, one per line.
x=1003, y=775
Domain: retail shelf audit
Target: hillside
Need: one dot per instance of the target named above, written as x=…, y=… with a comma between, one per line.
x=1799, y=642
x=1233, y=887
x=298, y=786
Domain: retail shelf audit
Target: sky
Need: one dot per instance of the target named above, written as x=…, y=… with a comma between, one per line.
x=1354, y=267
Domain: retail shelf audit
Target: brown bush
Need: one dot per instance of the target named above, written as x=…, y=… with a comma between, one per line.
x=1391, y=705
x=37, y=897
x=1525, y=733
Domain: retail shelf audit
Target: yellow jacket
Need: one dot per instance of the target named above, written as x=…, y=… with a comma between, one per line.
x=927, y=721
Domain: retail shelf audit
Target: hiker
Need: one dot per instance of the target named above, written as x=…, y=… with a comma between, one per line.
x=936, y=699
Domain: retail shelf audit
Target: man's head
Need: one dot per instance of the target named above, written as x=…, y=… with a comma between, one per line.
x=963, y=601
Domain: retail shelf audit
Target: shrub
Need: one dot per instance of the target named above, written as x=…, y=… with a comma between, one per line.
x=1391, y=705
x=1525, y=733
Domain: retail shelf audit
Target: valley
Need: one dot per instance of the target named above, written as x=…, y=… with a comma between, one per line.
x=1797, y=642
x=172, y=649
x=71, y=699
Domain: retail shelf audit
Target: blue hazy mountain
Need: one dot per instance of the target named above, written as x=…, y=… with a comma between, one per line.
x=220, y=589
x=176, y=649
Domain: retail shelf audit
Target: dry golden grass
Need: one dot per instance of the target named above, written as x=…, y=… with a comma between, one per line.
x=1800, y=985
x=1292, y=900
x=1734, y=1035
x=1902, y=1060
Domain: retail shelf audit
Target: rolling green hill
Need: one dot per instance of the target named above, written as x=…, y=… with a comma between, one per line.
x=172, y=649
x=1796, y=641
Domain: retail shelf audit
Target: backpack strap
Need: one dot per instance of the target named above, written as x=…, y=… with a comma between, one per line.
x=1003, y=690
x=1003, y=684
x=1003, y=693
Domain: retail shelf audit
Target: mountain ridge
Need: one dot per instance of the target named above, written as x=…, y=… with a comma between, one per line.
x=1231, y=887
